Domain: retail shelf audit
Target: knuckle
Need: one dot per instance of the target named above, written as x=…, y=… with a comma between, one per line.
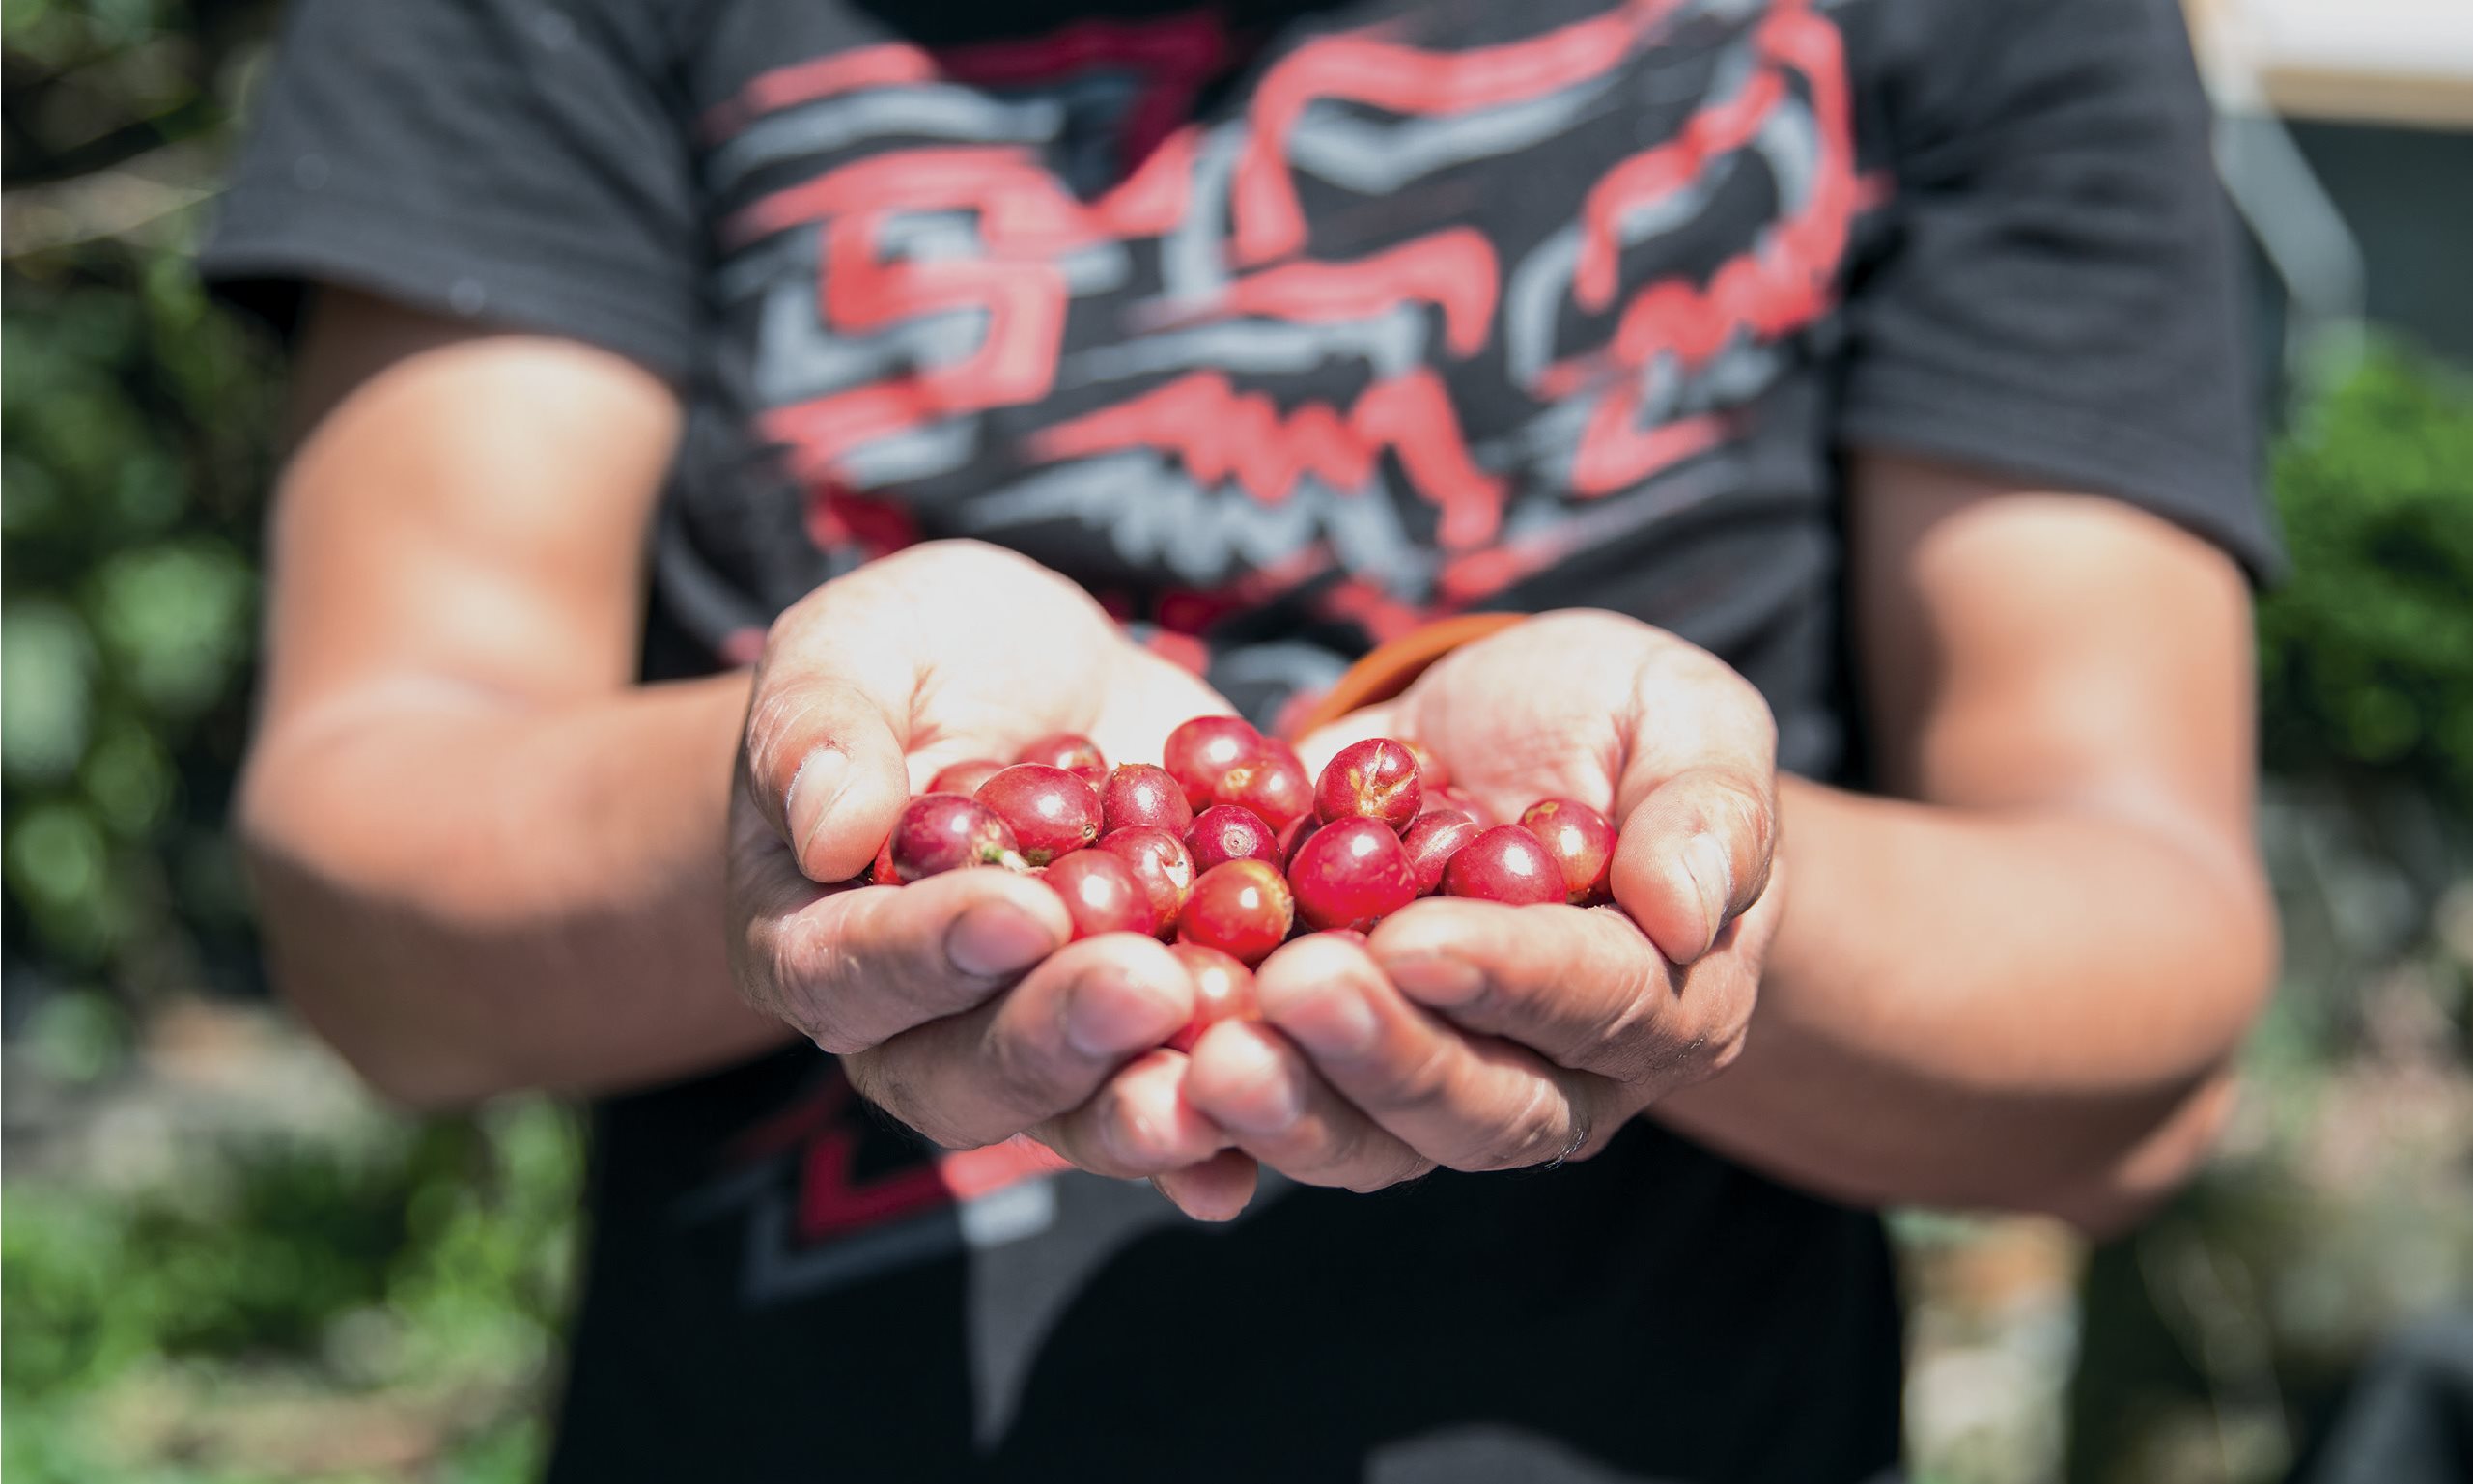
x=1367, y=1181
x=1421, y=1082
x=1129, y=1142
x=1629, y=1012
x=778, y=718
x=1332, y=1154
x=1532, y=1135
x=887, y=1081
x=819, y=964
x=1370, y=1178
x=1022, y=1075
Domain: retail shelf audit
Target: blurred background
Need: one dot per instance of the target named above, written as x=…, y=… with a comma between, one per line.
x=223, y=1262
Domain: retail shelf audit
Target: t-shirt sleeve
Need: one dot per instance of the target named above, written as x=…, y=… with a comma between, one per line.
x=2059, y=298
x=508, y=161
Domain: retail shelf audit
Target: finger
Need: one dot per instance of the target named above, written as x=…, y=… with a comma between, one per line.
x=1462, y=1101
x=1694, y=855
x=1036, y=1051
x=1584, y=987
x=827, y=727
x=1252, y=1081
x=1216, y=1190
x=1138, y=1125
x=853, y=968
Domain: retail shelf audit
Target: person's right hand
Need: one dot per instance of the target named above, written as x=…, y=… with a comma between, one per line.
x=955, y=1003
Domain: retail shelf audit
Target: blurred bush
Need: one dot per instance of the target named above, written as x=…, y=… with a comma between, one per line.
x=134, y=424
x=2365, y=652
x=294, y=1308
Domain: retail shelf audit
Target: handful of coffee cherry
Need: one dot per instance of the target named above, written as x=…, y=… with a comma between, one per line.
x=1227, y=850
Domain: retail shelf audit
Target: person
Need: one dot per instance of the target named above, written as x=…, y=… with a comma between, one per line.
x=714, y=417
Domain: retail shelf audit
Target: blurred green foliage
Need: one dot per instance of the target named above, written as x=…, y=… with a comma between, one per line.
x=134, y=424
x=406, y=1260
x=2366, y=651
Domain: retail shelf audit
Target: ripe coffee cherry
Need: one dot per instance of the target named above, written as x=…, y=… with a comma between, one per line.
x=1352, y=874
x=1050, y=811
x=1504, y=864
x=1223, y=991
x=1294, y=834
x=1374, y=779
x=940, y=833
x=1160, y=864
x=1223, y=833
x=1199, y=753
x=1071, y=751
x=1461, y=799
x=1581, y=842
x=1432, y=840
x=1430, y=770
x=1241, y=907
x=1101, y=894
x=963, y=777
x=1138, y=793
x=1271, y=784
x=880, y=871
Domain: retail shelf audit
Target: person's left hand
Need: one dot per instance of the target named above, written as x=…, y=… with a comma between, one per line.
x=1475, y=1035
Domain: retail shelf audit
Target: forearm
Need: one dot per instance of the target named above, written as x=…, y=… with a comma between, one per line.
x=470, y=897
x=2023, y=1008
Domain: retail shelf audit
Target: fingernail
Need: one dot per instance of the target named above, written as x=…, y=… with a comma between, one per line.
x=814, y=791
x=1435, y=978
x=1712, y=872
x=994, y=938
x=1109, y=1016
x=1337, y=1025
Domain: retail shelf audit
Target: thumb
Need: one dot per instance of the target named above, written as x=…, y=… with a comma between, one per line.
x=824, y=763
x=1692, y=856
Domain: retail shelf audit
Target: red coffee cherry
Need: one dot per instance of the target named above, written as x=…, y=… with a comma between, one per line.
x=1159, y=862
x=940, y=832
x=1199, y=753
x=1580, y=840
x=1504, y=864
x=1241, y=907
x=1225, y=833
x=1139, y=794
x=1374, y=779
x=1101, y=894
x=1071, y=751
x=1352, y=874
x=1431, y=842
x=1223, y=991
x=1050, y=811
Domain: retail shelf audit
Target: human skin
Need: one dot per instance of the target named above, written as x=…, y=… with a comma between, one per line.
x=2016, y=982
x=487, y=859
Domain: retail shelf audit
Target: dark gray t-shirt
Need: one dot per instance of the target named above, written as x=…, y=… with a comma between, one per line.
x=1284, y=327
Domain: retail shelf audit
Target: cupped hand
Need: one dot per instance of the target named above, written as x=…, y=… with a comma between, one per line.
x=1474, y=1035
x=956, y=1003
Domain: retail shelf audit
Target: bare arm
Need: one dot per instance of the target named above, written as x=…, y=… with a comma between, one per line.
x=2019, y=982
x=485, y=857
x=2015, y=986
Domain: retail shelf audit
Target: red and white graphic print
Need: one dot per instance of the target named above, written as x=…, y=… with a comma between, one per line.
x=1389, y=329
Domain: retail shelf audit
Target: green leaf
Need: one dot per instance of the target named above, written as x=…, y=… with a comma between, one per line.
x=174, y=620
x=46, y=666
